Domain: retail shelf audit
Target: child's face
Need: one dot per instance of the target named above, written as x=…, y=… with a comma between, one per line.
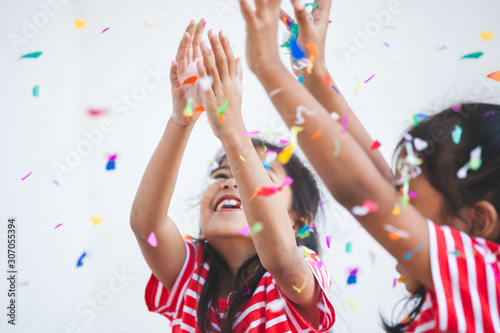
x=222, y=213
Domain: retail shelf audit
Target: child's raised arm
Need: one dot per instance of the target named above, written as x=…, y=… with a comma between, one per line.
x=347, y=171
x=317, y=79
x=151, y=203
x=275, y=244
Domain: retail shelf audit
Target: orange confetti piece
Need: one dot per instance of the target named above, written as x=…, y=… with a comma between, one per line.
x=315, y=135
x=190, y=80
x=495, y=76
x=199, y=109
x=403, y=279
x=406, y=320
x=314, y=54
x=393, y=236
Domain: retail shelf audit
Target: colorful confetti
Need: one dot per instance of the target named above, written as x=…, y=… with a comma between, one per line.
x=96, y=112
x=345, y=121
x=57, y=226
x=315, y=136
x=494, y=76
x=245, y=133
x=395, y=233
x=375, y=145
x=297, y=52
x=79, y=23
x=268, y=191
x=31, y=55
x=476, y=55
x=245, y=231
x=111, y=163
x=257, y=227
x=36, y=90
x=474, y=163
x=371, y=77
x=80, y=260
x=328, y=241
x=202, y=21
x=275, y=91
x=152, y=240
x=190, y=80
x=363, y=210
x=299, y=290
x=305, y=231
x=419, y=247
x=314, y=54
x=96, y=220
x=352, y=279
x=348, y=247
x=486, y=36
x=106, y=29
x=457, y=134
x=26, y=176
x=336, y=152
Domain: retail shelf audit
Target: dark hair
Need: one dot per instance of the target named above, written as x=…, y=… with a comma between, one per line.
x=305, y=200
x=480, y=124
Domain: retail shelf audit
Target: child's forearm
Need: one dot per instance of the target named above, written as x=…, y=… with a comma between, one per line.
x=155, y=191
x=319, y=84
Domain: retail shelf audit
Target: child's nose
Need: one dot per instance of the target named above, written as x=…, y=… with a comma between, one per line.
x=229, y=183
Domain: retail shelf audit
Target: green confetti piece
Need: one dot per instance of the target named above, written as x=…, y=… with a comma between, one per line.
x=348, y=247
x=474, y=165
x=456, y=253
x=303, y=235
x=31, y=55
x=223, y=109
x=36, y=90
x=457, y=134
x=476, y=55
x=188, y=110
x=257, y=227
x=413, y=160
x=312, y=4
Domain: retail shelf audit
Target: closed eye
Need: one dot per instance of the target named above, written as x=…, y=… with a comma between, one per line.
x=220, y=175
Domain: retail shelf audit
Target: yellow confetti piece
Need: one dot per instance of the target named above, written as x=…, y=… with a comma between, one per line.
x=299, y=290
x=486, y=36
x=79, y=23
x=286, y=154
x=403, y=279
x=96, y=220
x=306, y=254
x=242, y=158
x=396, y=210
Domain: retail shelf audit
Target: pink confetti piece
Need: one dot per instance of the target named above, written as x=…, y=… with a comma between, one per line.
x=284, y=141
x=57, y=226
x=328, y=240
x=318, y=264
x=344, y=124
x=412, y=194
x=245, y=133
x=371, y=77
x=394, y=282
x=152, y=240
x=457, y=107
x=26, y=176
x=244, y=231
x=104, y=30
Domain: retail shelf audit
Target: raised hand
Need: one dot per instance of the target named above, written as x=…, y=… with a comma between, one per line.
x=262, y=30
x=183, y=72
x=223, y=99
x=310, y=33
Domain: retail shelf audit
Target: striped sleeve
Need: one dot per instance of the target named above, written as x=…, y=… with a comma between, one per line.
x=169, y=303
x=327, y=316
x=466, y=281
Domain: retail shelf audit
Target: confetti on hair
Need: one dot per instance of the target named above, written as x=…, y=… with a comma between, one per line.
x=80, y=260
x=352, y=279
x=489, y=113
x=474, y=163
x=476, y=55
x=345, y=121
x=315, y=135
x=348, y=247
x=395, y=233
x=457, y=134
x=420, y=144
x=367, y=207
x=375, y=145
x=202, y=21
x=190, y=80
x=314, y=54
x=152, y=240
x=31, y=55
x=494, y=76
x=328, y=241
x=57, y=226
x=26, y=176
x=457, y=107
x=96, y=220
x=299, y=290
x=36, y=90
x=371, y=77
x=79, y=23
x=106, y=29
x=419, y=247
x=486, y=36
x=275, y=91
x=305, y=231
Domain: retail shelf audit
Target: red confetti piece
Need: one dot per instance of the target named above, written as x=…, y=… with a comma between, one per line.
x=190, y=80
x=375, y=145
x=268, y=191
x=327, y=80
x=96, y=112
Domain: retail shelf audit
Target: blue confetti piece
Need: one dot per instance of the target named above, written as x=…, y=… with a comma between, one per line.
x=387, y=45
x=110, y=165
x=301, y=79
x=351, y=279
x=80, y=263
x=266, y=165
x=335, y=88
x=297, y=52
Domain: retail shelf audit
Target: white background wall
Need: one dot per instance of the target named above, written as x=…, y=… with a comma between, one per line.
x=82, y=69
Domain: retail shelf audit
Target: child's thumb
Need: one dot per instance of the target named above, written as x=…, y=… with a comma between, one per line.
x=301, y=14
x=239, y=68
x=174, y=74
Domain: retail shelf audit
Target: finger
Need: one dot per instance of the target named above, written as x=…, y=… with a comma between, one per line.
x=174, y=74
x=228, y=50
x=238, y=64
x=211, y=69
x=182, y=51
x=247, y=12
x=301, y=15
x=220, y=56
x=285, y=18
x=198, y=36
x=324, y=7
x=189, y=30
x=259, y=5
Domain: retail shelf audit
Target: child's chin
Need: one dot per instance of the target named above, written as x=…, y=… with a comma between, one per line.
x=412, y=286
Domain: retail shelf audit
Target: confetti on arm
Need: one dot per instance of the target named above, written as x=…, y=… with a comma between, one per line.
x=344, y=124
x=336, y=152
x=222, y=110
x=419, y=247
x=275, y=91
x=375, y=145
x=188, y=110
x=297, y=52
x=315, y=135
x=245, y=133
x=395, y=233
x=299, y=290
x=152, y=240
x=367, y=207
x=314, y=54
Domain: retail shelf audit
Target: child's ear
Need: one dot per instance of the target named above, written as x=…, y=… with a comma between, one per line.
x=485, y=220
x=300, y=221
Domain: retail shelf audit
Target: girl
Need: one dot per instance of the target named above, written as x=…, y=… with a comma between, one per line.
x=245, y=273
x=446, y=240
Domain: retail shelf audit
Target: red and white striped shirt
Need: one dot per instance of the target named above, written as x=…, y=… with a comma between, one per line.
x=466, y=277
x=267, y=311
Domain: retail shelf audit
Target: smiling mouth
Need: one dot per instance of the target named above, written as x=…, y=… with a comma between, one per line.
x=229, y=204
